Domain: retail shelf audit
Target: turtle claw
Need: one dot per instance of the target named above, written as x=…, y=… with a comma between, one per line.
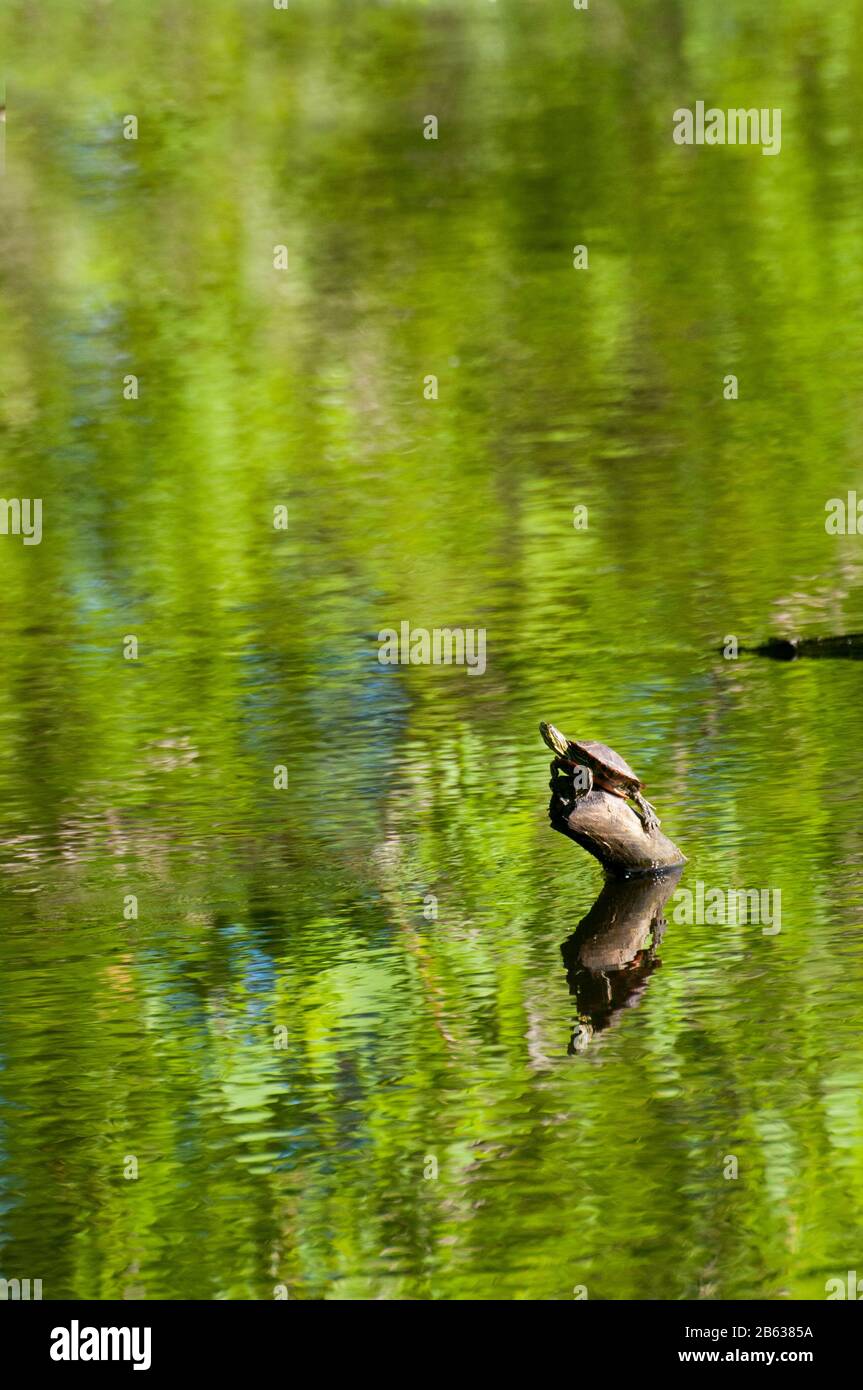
x=649, y=819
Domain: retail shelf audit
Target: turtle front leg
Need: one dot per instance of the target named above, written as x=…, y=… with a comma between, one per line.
x=582, y=780
x=650, y=820
x=569, y=783
x=561, y=786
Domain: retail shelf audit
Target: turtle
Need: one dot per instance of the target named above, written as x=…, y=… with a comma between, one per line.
x=600, y=767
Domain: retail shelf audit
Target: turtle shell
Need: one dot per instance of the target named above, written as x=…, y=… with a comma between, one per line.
x=604, y=758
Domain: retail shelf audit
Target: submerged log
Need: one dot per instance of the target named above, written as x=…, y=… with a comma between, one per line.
x=609, y=829
x=846, y=644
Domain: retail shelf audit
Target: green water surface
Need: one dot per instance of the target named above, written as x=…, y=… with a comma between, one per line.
x=325, y=1090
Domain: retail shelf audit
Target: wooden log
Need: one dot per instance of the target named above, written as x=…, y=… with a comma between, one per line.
x=847, y=644
x=609, y=829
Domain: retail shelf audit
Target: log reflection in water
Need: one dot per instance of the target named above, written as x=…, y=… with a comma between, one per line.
x=612, y=953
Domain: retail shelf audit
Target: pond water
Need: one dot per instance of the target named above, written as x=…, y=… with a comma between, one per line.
x=340, y=1052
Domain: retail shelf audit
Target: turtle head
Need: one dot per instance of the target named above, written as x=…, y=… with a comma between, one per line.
x=555, y=739
x=582, y=1034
